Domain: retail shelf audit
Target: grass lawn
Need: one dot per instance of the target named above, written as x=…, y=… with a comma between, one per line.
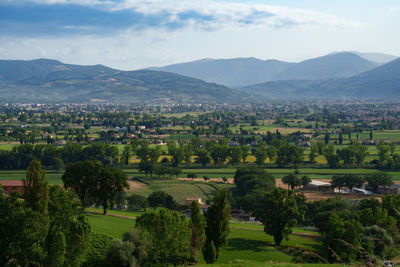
x=243, y=245
x=119, y=212
x=109, y=225
x=7, y=147
x=52, y=176
x=180, y=190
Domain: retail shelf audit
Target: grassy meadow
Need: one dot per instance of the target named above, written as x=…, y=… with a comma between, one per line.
x=251, y=245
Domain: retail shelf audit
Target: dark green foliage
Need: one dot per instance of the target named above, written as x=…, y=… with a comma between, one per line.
x=191, y=175
x=352, y=180
x=338, y=181
x=147, y=167
x=392, y=204
x=98, y=247
x=137, y=202
x=292, y=180
x=105, y=153
x=235, y=155
x=370, y=212
x=129, y=252
x=355, y=153
x=82, y=178
x=377, y=241
x=331, y=157
x=305, y=180
x=168, y=234
x=278, y=213
x=162, y=199
x=289, y=155
x=250, y=179
x=377, y=180
x=68, y=232
x=318, y=212
x=219, y=153
x=261, y=153
x=209, y=252
x=21, y=231
x=197, y=225
x=110, y=182
x=342, y=240
x=217, y=218
x=35, y=188
x=91, y=179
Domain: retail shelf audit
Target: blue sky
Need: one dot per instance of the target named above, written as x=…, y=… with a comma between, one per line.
x=132, y=34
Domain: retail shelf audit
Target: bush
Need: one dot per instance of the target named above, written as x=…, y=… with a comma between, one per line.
x=137, y=202
x=99, y=247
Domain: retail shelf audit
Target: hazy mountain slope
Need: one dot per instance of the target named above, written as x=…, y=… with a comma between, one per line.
x=379, y=58
x=382, y=82
x=239, y=72
x=230, y=72
x=337, y=65
x=52, y=81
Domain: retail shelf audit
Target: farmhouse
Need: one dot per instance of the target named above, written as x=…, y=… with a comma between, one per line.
x=316, y=185
x=203, y=206
x=12, y=185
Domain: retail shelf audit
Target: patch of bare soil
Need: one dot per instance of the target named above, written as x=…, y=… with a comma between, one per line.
x=218, y=180
x=136, y=185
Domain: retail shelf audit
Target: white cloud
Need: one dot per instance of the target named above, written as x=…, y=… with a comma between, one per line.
x=211, y=15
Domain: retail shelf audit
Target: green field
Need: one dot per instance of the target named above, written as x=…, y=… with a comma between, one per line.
x=189, y=188
x=243, y=244
x=52, y=176
x=180, y=190
x=132, y=214
x=7, y=147
x=109, y=225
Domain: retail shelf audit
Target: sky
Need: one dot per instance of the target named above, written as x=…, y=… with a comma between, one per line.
x=134, y=34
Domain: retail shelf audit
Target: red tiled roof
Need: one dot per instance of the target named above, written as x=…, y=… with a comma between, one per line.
x=5, y=183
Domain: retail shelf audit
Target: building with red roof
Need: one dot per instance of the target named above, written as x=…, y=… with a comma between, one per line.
x=12, y=185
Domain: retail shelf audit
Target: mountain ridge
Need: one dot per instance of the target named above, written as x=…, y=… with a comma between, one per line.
x=53, y=81
x=240, y=72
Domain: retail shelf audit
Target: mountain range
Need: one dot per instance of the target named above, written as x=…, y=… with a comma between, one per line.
x=382, y=82
x=240, y=72
x=46, y=80
x=337, y=75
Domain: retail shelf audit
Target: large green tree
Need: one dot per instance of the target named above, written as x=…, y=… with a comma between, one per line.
x=21, y=231
x=197, y=225
x=168, y=234
x=36, y=193
x=110, y=182
x=217, y=227
x=278, y=213
x=69, y=230
x=82, y=178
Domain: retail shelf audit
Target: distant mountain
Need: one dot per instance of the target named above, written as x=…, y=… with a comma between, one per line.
x=239, y=72
x=380, y=83
x=379, y=58
x=233, y=72
x=337, y=65
x=52, y=81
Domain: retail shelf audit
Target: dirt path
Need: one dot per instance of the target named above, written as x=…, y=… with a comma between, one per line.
x=112, y=215
x=219, y=180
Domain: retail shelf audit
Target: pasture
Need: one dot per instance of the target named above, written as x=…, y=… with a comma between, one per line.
x=250, y=245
